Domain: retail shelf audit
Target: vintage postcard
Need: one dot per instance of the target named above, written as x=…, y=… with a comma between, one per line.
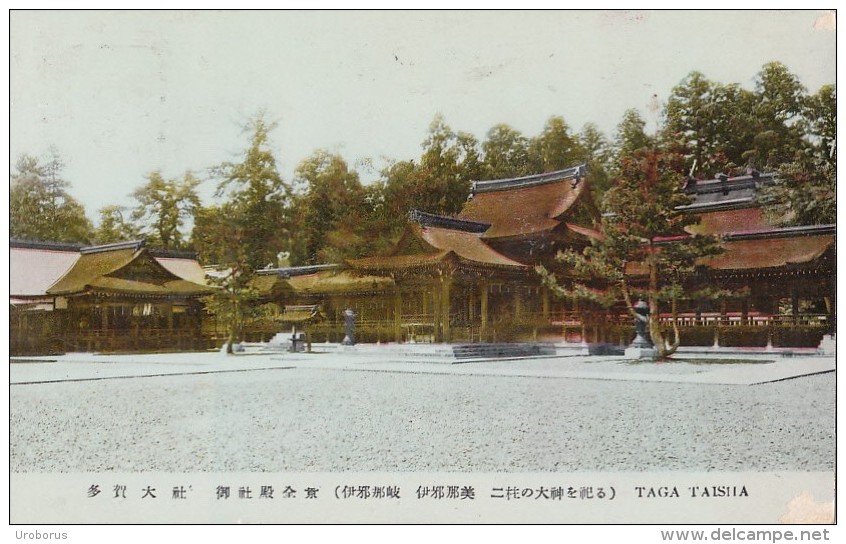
x=419, y=267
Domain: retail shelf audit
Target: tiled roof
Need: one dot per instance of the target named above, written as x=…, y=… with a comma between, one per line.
x=765, y=249
x=432, y=220
x=722, y=222
x=339, y=281
x=123, y=271
x=34, y=266
x=398, y=262
x=584, y=231
x=269, y=285
x=466, y=245
x=524, y=206
x=32, y=271
x=508, y=184
x=725, y=192
x=289, y=271
x=770, y=253
x=438, y=245
x=187, y=269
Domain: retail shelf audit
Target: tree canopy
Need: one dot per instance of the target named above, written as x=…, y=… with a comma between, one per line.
x=40, y=207
x=331, y=213
x=255, y=216
x=114, y=226
x=327, y=214
x=632, y=257
x=163, y=207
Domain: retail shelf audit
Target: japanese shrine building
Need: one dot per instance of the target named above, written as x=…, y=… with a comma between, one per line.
x=115, y=297
x=472, y=277
x=781, y=276
x=467, y=278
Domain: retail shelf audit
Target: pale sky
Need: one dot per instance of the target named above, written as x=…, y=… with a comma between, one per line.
x=121, y=94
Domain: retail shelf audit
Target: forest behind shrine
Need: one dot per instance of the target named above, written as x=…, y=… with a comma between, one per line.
x=326, y=214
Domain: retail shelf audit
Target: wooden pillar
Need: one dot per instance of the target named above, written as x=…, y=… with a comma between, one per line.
x=424, y=312
x=518, y=303
x=483, y=310
x=794, y=304
x=545, y=302
x=744, y=312
x=398, y=317
x=471, y=313
x=135, y=321
x=436, y=311
x=445, y=308
x=102, y=340
x=829, y=317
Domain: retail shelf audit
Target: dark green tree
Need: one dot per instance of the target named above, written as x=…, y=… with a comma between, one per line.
x=40, y=207
x=780, y=128
x=438, y=183
x=446, y=165
x=631, y=135
x=506, y=153
x=821, y=116
x=213, y=234
x=806, y=194
x=332, y=216
x=633, y=258
x=714, y=125
x=114, y=227
x=247, y=232
x=233, y=302
x=402, y=187
x=555, y=148
x=258, y=199
x=164, y=206
x=596, y=152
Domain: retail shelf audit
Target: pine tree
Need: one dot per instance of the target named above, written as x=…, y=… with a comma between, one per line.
x=643, y=249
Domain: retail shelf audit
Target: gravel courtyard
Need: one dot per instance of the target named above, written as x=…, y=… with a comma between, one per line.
x=312, y=419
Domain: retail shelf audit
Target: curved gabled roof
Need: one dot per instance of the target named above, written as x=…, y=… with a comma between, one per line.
x=526, y=205
x=398, y=262
x=467, y=245
x=187, y=269
x=770, y=252
x=124, y=270
x=35, y=267
x=339, y=281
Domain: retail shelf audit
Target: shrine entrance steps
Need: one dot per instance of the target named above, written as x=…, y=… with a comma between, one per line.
x=454, y=353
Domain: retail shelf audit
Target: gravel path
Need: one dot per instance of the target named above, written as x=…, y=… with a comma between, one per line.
x=341, y=420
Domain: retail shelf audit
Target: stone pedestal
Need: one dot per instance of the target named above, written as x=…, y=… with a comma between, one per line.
x=349, y=328
x=828, y=346
x=642, y=346
x=640, y=352
x=236, y=348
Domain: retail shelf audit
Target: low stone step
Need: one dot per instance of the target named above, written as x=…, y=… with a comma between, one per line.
x=495, y=351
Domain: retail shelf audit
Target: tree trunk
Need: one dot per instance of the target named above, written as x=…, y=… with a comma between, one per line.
x=662, y=346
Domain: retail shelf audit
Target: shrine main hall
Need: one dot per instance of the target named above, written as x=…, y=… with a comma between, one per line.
x=469, y=278
x=473, y=277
